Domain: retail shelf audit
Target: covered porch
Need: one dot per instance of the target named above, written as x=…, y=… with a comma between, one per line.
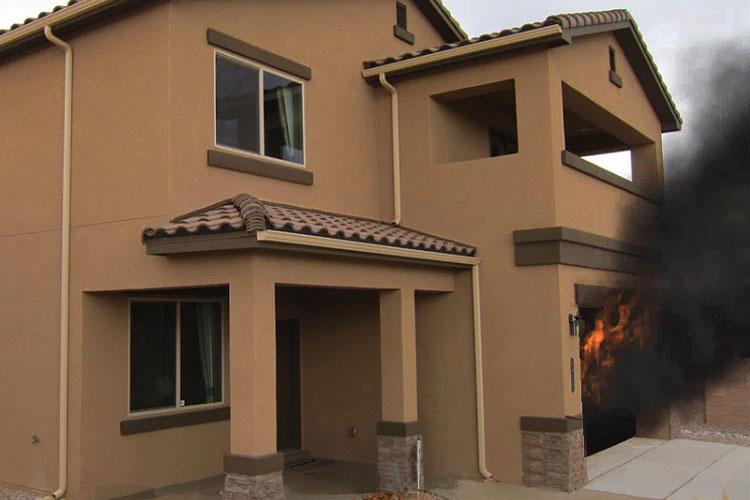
x=322, y=343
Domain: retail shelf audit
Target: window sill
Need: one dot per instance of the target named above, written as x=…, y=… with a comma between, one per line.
x=575, y=162
x=258, y=166
x=402, y=34
x=138, y=425
x=615, y=79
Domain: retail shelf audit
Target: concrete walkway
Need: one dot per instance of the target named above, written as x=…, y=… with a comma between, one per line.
x=679, y=469
x=636, y=469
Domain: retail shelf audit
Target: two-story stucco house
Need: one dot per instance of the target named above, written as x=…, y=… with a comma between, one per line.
x=231, y=229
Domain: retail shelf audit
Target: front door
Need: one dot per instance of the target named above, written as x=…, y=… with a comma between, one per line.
x=288, y=406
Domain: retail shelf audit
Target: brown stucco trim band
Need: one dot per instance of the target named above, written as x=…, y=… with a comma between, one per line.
x=257, y=166
x=551, y=424
x=224, y=41
x=593, y=295
x=158, y=422
x=398, y=429
x=254, y=466
x=562, y=245
x=575, y=162
x=615, y=79
x=402, y=34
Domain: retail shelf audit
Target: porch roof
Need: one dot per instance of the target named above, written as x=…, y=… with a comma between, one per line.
x=249, y=215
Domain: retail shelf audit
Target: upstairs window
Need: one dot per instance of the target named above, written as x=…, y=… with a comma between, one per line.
x=258, y=111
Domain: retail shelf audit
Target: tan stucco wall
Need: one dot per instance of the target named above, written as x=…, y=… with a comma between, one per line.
x=143, y=120
x=29, y=359
x=340, y=369
x=143, y=104
x=583, y=202
x=446, y=383
x=527, y=346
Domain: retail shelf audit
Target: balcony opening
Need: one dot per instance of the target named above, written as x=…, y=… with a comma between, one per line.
x=599, y=137
x=474, y=123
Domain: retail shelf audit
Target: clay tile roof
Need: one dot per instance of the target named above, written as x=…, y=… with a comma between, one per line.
x=39, y=16
x=244, y=213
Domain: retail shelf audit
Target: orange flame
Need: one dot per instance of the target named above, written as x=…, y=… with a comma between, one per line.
x=616, y=327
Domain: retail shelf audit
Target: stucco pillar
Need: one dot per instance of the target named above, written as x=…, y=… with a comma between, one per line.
x=399, y=432
x=254, y=468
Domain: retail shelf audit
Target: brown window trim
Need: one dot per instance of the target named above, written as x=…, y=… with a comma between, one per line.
x=258, y=166
x=227, y=42
x=575, y=162
x=150, y=423
x=403, y=34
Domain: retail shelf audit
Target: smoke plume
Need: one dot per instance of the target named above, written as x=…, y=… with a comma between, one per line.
x=699, y=279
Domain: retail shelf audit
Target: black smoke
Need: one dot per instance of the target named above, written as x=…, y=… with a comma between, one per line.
x=699, y=277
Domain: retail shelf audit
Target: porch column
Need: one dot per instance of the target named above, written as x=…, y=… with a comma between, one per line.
x=399, y=431
x=254, y=468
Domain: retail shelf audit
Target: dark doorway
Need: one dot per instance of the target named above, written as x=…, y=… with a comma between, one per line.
x=602, y=427
x=288, y=406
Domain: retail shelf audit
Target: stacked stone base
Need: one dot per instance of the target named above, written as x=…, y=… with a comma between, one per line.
x=8, y=492
x=397, y=463
x=553, y=454
x=262, y=487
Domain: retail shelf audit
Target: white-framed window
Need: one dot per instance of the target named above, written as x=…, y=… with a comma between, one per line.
x=258, y=110
x=175, y=354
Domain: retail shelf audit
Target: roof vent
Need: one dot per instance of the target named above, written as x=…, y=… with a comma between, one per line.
x=401, y=15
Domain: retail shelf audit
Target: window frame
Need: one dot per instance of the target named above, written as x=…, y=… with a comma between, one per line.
x=261, y=68
x=178, y=332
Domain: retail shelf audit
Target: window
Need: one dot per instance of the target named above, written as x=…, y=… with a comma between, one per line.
x=176, y=348
x=258, y=111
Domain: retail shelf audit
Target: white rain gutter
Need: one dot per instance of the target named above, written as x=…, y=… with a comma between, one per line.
x=272, y=236
x=396, y=150
x=479, y=373
x=65, y=265
x=53, y=18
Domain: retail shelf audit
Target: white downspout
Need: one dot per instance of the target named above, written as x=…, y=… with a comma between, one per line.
x=65, y=265
x=396, y=150
x=479, y=373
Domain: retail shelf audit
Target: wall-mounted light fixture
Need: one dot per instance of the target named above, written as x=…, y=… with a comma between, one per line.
x=576, y=325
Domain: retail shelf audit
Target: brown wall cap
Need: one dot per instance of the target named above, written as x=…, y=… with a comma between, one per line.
x=258, y=166
x=562, y=233
x=182, y=419
x=237, y=46
x=254, y=466
x=400, y=429
x=575, y=162
x=615, y=78
x=551, y=424
x=402, y=34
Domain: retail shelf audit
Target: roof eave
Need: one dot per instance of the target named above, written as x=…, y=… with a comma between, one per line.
x=442, y=20
x=549, y=35
x=280, y=240
x=632, y=44
x=80, y=15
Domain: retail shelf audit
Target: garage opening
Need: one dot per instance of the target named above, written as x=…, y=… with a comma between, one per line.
x=603, y=426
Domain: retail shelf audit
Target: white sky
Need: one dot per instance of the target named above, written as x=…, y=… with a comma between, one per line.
x=682, y=35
